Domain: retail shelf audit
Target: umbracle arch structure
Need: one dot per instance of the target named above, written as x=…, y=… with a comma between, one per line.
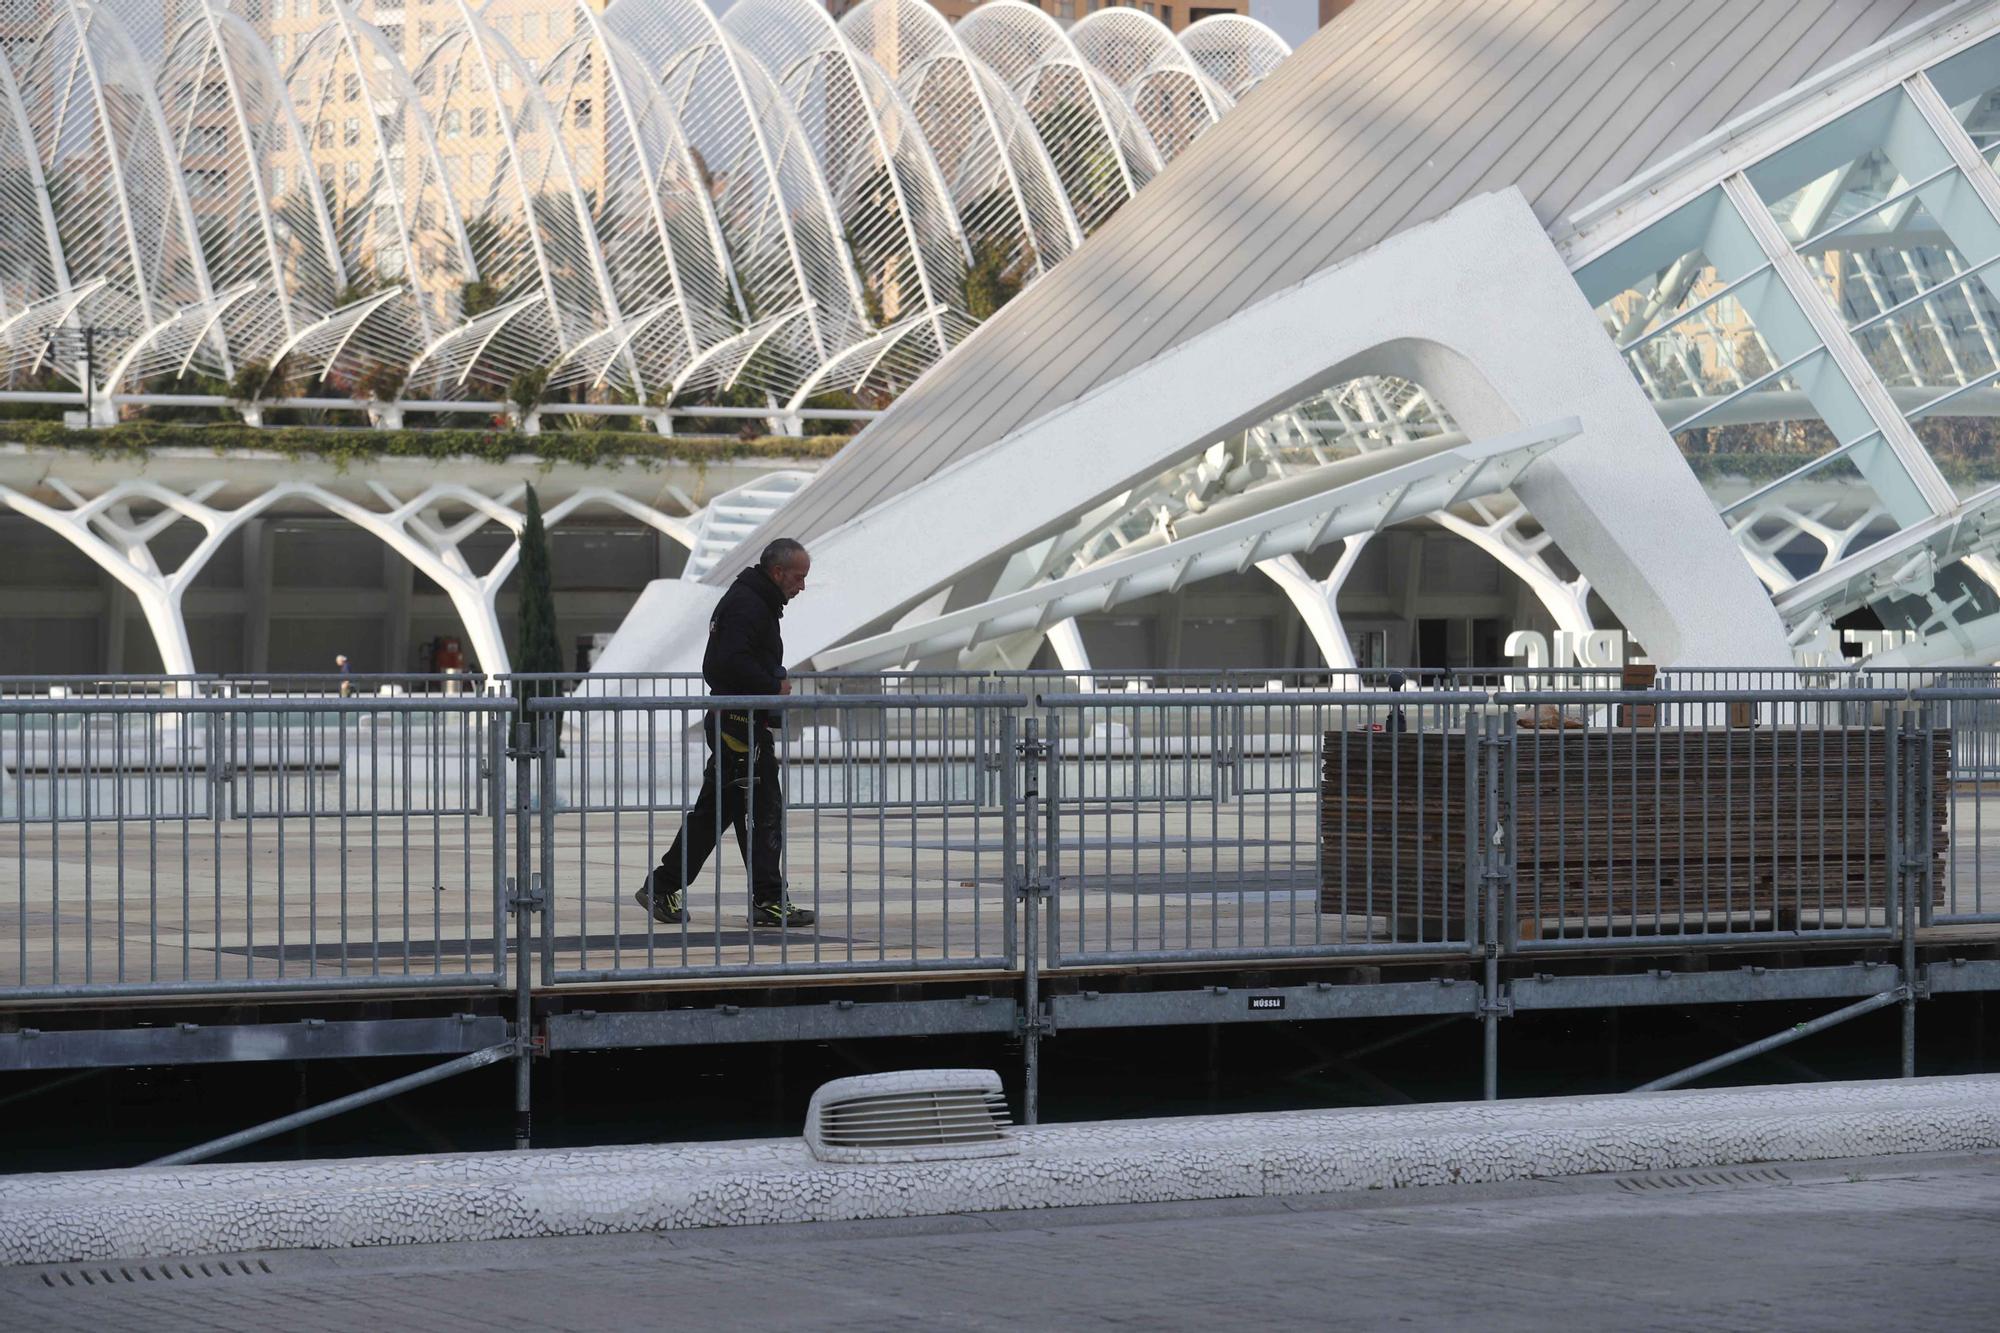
x=675, y=205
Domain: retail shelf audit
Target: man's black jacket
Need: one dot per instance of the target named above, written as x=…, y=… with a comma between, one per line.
x=746, y=654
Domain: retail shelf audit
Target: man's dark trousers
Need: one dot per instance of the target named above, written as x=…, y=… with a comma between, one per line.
x=728, y=794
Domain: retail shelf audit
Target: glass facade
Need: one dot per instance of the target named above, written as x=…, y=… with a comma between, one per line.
x=1820, y=331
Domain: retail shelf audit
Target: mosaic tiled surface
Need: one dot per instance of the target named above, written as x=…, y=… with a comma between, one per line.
x=489, y=1196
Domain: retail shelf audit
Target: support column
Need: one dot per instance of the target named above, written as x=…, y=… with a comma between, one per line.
x=399, y=579
x=258, y=564
x=1066, y=641
x=1317, y=601
x=117, y=609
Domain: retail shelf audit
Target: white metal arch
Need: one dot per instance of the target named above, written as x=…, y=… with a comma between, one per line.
x=1159, y=80
x=959, y=102
x=776, y=211
x=1235, y=51
x=1080, y=119
x=123, y=211
x=654, y=221
x=232, y=119
x=24, y=194
x=867, y=145
x=404, y=224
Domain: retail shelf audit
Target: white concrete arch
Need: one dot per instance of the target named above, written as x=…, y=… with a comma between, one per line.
x=1469, y=306
x=103, y=529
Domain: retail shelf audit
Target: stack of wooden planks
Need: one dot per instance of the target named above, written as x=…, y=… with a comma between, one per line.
x=1625, y=830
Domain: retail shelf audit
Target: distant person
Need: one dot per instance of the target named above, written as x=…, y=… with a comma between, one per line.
x=745, y=655
x=340, y=665
x=448, y=659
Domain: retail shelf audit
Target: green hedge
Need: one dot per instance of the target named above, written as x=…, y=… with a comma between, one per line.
x=1959, y=469
x=586, y=448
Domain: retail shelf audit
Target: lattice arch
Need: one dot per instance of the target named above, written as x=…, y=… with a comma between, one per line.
x=675, y=205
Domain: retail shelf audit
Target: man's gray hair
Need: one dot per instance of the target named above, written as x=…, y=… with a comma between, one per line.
x=780, y=552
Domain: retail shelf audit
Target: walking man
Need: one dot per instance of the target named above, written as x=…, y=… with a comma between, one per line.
x=740, y=786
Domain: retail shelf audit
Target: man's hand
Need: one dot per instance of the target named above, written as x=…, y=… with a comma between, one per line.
x=785, y=685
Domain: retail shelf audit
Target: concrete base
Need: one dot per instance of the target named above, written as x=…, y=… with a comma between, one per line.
x=493, y=1196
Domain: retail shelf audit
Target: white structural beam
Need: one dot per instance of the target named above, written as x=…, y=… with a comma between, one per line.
x=1476, y=306
x=1317, y=600
x=104, y=529
x=1368, y=504
x=1902, y=564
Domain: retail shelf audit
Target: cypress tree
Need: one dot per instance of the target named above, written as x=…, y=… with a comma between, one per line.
x=536, y=647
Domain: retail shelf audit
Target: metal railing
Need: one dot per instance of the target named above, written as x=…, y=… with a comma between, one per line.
x=234, y=845
x=1195, y=826
x=247, y=837
x=883, y=838
x=241, y=841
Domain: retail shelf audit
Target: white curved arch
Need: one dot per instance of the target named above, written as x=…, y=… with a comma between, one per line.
x=776, y=212
x=23, y=279
x=403, y=224
x=893, y=201
x=655, y=222
x=1080, y=119
x=123, y=210
x=533, y=186
x=232, y=117
x=1235, y=50
x=962, y=104
x=1160, y=82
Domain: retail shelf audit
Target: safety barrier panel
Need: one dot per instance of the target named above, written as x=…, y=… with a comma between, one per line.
x=219, y=846
x=1336, y=834
x=879, y=833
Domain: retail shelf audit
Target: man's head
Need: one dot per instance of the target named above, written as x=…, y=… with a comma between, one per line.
x=787, y=564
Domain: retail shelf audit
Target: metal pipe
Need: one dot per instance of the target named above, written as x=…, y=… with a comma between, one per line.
x=1032, y=749
x=1915, y=848
x=1774, y=1041
x=1489, y=885
x=530, y=735
x=772, y=703
x=326, y=1110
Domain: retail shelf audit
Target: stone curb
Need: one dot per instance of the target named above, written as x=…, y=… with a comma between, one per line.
x=180, y=1211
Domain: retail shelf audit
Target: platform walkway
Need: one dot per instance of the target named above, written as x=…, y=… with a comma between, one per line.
x=264, y=901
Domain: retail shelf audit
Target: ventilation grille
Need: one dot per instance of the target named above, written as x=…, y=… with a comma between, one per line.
x=173, y=1270
x=1694, y=1180
x=923, y=1115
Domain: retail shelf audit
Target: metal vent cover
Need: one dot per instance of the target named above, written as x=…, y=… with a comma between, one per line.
x=923, y=1115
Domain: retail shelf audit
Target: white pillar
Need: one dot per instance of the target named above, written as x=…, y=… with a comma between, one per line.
x=1066, y=640
x=1317, y=601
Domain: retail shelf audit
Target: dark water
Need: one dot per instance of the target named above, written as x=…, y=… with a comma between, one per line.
x=123, y=1117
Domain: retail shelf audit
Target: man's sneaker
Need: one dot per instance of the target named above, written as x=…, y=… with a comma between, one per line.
x=781, y=914
x=670, y=910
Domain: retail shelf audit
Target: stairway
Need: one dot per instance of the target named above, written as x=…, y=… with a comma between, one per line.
x=733, y=515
